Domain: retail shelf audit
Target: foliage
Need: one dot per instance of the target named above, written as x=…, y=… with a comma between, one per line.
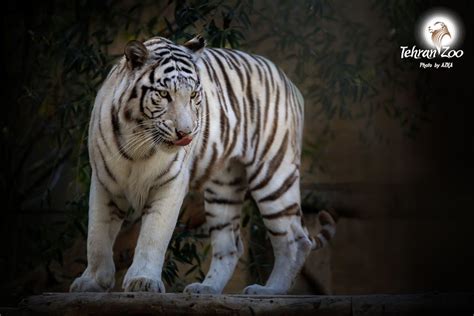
x=183, y=249
x=260, y=261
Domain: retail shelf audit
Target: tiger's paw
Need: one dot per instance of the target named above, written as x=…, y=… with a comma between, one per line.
x=143, y=284
x=257, y=289
x=199, y=288
x=88, y=284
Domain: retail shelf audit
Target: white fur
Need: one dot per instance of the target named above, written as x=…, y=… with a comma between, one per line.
x=138, y=183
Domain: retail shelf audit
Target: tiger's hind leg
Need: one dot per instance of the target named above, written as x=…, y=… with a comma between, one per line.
x=279, y=203
x=224, y=196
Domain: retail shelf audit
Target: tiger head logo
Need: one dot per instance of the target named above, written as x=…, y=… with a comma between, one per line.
x=438, y=31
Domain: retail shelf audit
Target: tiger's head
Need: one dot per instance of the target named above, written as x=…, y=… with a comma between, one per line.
x=162, y=104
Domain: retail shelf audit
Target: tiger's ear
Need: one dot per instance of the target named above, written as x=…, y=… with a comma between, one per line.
x=136, y=54
x=196, y=46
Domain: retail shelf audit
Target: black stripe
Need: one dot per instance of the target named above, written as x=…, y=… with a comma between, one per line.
x=233, y=182
x=218, y=227
x=133, y=94
x=106, y=167
x=259, y=68
x=255, y=141
x=274, y=233
x=294, y=101
x=249, y=95
x=243, y=58
x=181, y=54
x=220, y=96
x=233, y=103
x=178, y=58
x=209, y=191
x=266, y=104
x=193, y=170
x=286, y=101
x=285, y=186
x=104, y=140
x=255, y=146
x=256, y=173
x=274, y=164
x=237, y=239
x=205, y=134
x=151, y=76
x=142, y=99
x=117, y=136
x=222, y=201
x=114, y=69
x=269, y=71
x=245, y=129
x=184, y=62
x=167, y=169
x=290, y=210
x=169, y=69
x=162, y=52
x=164, y=61
x=231, y=61
x=186, y=70
x=257, y=128
x=224, y=127
x=207, y=171
x=95, y=172
x=270, y=139
x=120, y=100
x=171, y=178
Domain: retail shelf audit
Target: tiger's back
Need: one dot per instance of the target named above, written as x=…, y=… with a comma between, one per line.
x=251, y=111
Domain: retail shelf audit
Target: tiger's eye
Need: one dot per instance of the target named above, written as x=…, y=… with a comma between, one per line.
x=163, y=93
x=193, y=94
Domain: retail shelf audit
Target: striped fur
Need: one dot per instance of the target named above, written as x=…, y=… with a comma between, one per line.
x=218, y=120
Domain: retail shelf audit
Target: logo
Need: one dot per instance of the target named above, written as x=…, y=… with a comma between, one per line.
x=439, y=34
x=438, y=31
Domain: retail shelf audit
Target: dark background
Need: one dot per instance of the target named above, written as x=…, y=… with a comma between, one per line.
x=400, y=179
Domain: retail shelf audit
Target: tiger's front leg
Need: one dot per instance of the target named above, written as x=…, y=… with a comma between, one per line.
x=105, y=219
x=159, y=219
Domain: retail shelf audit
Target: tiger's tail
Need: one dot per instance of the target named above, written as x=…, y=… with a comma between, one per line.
x=328, y=230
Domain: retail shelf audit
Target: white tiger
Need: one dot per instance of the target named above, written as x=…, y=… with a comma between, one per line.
x=168, y=117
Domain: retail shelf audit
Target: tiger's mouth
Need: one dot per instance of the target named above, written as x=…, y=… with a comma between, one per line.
x=183, y=141
x=178, y=139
